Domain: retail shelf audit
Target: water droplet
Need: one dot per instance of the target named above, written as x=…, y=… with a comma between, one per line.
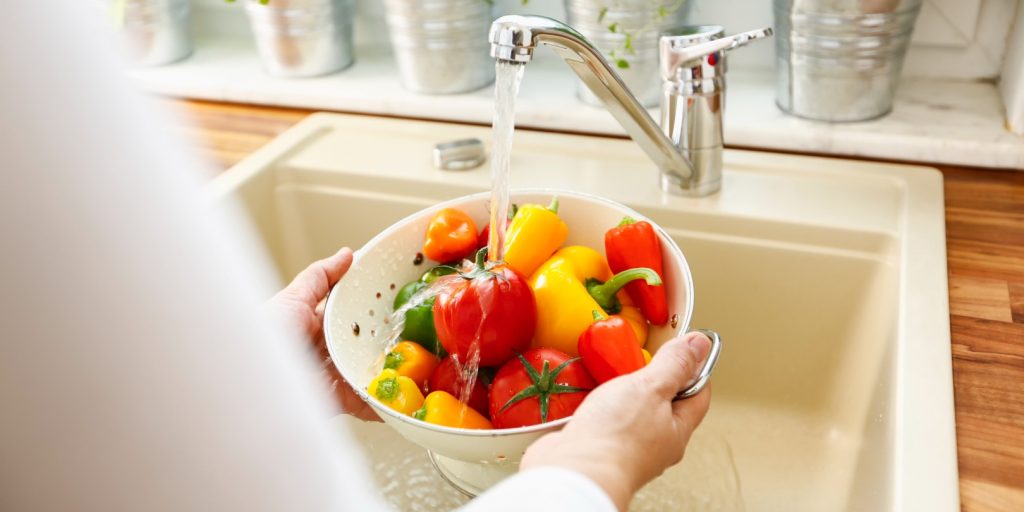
x=418, y=260
x=355, y=328
x=391, y=286
x=379, y=295
x=373, y=333
x=371, y=312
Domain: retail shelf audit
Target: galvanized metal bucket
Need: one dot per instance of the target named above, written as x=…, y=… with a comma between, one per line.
x=155, y=32
x=441, y=45
x=626, y=32
x=840, y=60
x=302, y=38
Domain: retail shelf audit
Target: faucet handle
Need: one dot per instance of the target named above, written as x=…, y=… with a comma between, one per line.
x=689, y=46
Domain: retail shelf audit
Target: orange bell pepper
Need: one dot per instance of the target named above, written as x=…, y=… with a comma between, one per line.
x=632, y=314
x=411, y=360
x=451, y=236
x=441, y=408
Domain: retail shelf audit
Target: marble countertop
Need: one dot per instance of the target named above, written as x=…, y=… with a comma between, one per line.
x=946, y=122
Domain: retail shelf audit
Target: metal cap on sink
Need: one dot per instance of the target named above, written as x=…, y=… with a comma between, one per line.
x=459, y=155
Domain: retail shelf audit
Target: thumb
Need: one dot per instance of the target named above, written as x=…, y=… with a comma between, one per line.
x=676, y=363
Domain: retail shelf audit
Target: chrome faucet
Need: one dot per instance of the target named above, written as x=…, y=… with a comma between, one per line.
x=687, y=148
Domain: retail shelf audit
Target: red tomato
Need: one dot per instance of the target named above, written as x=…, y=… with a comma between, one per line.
x=489, y=310
x=553, y=384
x=448, y=378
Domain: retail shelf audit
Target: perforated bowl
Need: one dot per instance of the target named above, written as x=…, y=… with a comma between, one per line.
x=471, y=459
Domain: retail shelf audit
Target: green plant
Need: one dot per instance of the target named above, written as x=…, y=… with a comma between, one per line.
x=662, y=9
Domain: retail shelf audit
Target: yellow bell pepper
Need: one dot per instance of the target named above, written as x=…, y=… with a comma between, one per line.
x=647, y=356
x=411, y=360
x=569, y=287
x=534, y=235
x=396, y=391
x=441, y=408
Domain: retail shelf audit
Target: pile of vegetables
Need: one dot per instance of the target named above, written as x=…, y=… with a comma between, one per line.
x=521, y=341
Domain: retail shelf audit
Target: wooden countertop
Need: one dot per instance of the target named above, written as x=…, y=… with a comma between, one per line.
x=985, y=248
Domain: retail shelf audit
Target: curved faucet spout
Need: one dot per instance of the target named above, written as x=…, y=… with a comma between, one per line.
x=513, y=38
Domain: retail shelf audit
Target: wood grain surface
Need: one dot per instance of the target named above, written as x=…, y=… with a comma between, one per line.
x=985, y=247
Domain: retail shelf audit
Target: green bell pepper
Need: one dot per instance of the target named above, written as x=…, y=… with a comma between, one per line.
x=441, y=270
x=419, y=320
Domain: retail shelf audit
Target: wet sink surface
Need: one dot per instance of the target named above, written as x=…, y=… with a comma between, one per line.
x=826, y=279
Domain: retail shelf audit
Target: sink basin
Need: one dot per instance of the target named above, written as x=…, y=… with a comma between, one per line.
x=825, y=277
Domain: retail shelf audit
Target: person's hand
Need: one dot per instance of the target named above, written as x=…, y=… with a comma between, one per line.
x=302, y=304
x=628, y=431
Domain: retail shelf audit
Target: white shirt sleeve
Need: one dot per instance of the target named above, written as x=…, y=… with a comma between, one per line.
x=136, y=370
x=544, y=489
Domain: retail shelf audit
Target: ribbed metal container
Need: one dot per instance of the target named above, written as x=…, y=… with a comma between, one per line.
x=840, y=60
x=645, y=20
x=156, y=32
x=302, y=38
x=441, y=45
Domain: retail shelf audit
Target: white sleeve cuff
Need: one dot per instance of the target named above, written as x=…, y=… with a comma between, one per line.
x=544, y=489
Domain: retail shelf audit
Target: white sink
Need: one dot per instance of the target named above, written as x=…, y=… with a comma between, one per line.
x=825, y=277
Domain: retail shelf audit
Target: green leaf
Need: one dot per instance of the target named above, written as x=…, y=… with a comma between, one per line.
x=544, y=402
x=520, y=396
x=628, y=44
x=558, y=369
x=622, y=64
x=614, y=28
x=565, y=388
x=534, y=376
x=602, y=14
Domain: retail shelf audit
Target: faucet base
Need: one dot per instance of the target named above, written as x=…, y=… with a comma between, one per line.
x=696, y=189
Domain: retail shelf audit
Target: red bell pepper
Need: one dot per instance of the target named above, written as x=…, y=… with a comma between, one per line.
x=634, y=244
x=485, y=233
x=609, y=348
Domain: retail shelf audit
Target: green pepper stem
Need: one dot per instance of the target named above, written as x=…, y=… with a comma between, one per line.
x=598, y=316
x=627, y=220
x=553, y=207
x=604, y=293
